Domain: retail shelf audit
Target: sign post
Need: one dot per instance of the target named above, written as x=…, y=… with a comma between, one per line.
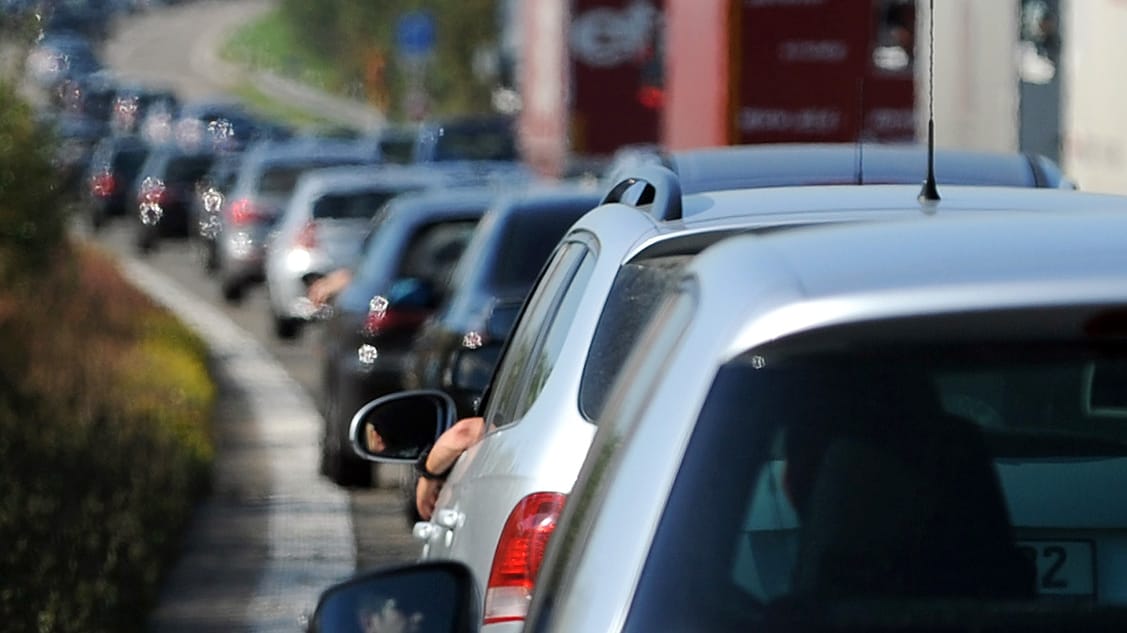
x=414, y=46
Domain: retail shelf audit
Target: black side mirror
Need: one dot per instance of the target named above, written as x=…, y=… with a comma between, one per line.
x=431, y=597
x=398, y=427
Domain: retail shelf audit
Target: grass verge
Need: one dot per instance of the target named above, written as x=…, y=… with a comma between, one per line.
x=105, y=446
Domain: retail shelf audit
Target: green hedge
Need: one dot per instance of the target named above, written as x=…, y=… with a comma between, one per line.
x=105, y=411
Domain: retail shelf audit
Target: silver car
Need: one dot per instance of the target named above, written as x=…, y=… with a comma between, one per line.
x=323, y=228
x=869, y=426
x=577, y=326
x=267, y=175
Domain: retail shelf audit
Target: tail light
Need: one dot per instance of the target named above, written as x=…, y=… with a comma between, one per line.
x=243, y=211
x=378, y=322
x=519, y=555
x=307, y=237
x=103, y=185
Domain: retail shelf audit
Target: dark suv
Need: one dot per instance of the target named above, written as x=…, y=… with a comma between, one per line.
x=165, y=188
x=458, y=348
x=113, y=167
x=414, y=243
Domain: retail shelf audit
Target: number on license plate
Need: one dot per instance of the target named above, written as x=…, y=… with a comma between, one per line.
x=1065, y=568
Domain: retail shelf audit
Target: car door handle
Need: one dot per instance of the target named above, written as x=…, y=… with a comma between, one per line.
x=448, y=518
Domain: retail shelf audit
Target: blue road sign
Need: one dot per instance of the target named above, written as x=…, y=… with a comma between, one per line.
x=414, y=34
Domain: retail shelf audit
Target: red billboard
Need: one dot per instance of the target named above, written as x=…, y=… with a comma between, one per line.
x=615, y=70
x=824, y=71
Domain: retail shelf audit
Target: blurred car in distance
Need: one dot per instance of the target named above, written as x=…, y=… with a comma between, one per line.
x=457, y=348
x=401, y=278
x=265, y=181
x=58, y=56
x=323, y=228
x=76, y=135
x=397, y=143
x=467, y=138
x=114, y=165
x=165, y=187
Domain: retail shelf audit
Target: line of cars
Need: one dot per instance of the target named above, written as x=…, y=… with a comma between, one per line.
x=727, y=404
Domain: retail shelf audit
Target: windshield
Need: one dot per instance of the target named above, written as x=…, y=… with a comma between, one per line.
x=868, y=470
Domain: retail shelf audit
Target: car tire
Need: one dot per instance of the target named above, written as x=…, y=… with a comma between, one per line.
x=336, y=463
x=210, y=258
x=286, y=328
x=146, y=242
x=97, y=221
x=232, y=290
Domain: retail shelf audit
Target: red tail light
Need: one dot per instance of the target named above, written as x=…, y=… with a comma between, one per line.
x=103, y=185
x=307, y=236
x=393, y=319
x=519, y=554
x=243, y=211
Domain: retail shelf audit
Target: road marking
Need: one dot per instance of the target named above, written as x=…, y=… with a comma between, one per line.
x=310, y=539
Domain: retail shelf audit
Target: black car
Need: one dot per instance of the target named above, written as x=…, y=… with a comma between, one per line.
x=114, y=166
x=77, y=135
x=165, y=187
x=457, y=349
x=414, y=243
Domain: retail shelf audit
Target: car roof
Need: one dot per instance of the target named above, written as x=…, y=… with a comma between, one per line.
x=711, y=214
x=786, y=164
x=317, y=182
x=544, y=196
x=304, y=150
x=456, y=199
x=957, y=263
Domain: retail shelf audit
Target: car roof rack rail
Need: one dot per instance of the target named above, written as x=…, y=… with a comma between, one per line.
x=652, y=185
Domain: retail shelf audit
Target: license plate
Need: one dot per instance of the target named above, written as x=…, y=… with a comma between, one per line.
x=1064, y=568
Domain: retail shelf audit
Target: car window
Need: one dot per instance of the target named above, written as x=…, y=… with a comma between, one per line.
x=525, y=241
x=475, y=143
x=280, y=179
x=506, y=401
x=351, y=205
x=637, y=291
x=434, y=249
x=188, y=169
x=544, y=359
x=859, y=468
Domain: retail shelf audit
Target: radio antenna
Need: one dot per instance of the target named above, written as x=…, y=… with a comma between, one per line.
x=929, y=192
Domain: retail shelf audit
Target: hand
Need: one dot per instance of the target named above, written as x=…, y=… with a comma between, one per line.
x=328, y=287
x=426, y=496
x=445, y=452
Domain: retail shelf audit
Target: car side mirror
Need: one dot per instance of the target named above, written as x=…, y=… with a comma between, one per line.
x=436, y=597
x=397, y=428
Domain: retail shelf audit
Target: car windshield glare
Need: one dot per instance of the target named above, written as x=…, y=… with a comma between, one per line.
x=914, y=474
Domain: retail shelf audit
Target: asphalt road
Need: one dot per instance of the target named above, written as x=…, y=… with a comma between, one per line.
x=177, y=47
